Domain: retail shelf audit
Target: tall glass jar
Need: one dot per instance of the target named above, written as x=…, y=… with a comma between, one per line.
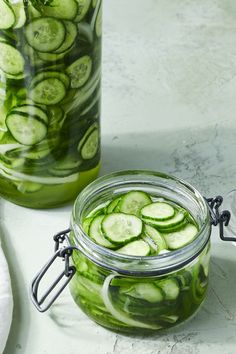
x=122, y=292
x=50, y=73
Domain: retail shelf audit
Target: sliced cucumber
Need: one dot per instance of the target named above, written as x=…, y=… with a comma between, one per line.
x=95, y=232
x=99, y=210
x=169, y=318
x=28, y=187
x=146, y=291
x=63, y=9
x=182, y=237
x=133, y=202
x=158, y=211
x=90, y=147
x=98, y=25
x=19, y=11
x=7, y=16
x=50, y=74
x=48, y=92
x=11, y=60
x=79, y=71
x=83, y=7
x=65, y=167
x=86, y=135
x=156, y=237
x=138, y=248
x=26, y=128
x=170, y=288
x=167, y=224
x=34, y=111
x=120, y=228
x=45, y=34
x=71, y=33
x=20, y=127
x=86, y=224
x=112, y=206
x=52, y=57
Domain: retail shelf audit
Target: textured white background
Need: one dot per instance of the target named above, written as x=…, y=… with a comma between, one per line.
x=168, y=64
x=169, y=89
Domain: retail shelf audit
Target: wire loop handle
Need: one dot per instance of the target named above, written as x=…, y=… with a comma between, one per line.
x=64, y=253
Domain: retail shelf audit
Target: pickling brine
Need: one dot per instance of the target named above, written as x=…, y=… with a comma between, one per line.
x=50, y=74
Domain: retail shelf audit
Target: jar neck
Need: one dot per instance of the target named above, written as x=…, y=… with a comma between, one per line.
x=139, y=266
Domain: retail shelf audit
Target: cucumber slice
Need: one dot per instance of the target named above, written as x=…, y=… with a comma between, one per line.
x=71, y=33
x=95, y=232
x=98, y=25
x=31, y=110
x=120, y=228
x=48, y=92
x=45, y=34
x=52, y=57
x=29, y=187
x=79, y=71
x=7, y=16
x=156, y=237
x=62, y=9
x=19, y=11
x=25, y=128
x=146, y=291
x=83, y=7
x=138, y=248
x=65, y=167
x=158, y=211
x=170, y=288
x=99, y=210
x=133, y=202
x=169, y=318
x=11, y=60
x=167, y=224
x=51, y=74
x=86, y=224
x=182, y=237
x=90, y=146
x=112, y=206
x=86, y=135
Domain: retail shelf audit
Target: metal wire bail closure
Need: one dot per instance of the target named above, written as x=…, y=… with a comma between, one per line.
x=69, y=271
x=65, y=252
x=221, y=218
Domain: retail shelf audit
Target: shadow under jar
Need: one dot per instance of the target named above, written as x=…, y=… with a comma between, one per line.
x=140, y=294
x=50, y=73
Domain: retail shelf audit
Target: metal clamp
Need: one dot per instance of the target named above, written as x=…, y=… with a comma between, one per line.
x=60, y=252
x=221, y=218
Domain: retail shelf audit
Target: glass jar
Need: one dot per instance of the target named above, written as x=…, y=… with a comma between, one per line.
x=123, y=292
x=50, y=73
x=135, y=294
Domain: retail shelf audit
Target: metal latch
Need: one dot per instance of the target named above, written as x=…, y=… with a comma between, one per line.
x=64, y=252
x=221, y=218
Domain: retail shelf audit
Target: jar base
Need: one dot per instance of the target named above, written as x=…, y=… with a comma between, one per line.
x=48, y=196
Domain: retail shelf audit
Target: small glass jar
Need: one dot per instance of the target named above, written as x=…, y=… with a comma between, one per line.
x=128, y=293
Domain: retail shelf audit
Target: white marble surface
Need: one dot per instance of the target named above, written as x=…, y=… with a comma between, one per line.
x=169, y=105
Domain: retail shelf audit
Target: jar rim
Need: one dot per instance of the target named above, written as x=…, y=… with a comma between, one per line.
x=145, y=265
